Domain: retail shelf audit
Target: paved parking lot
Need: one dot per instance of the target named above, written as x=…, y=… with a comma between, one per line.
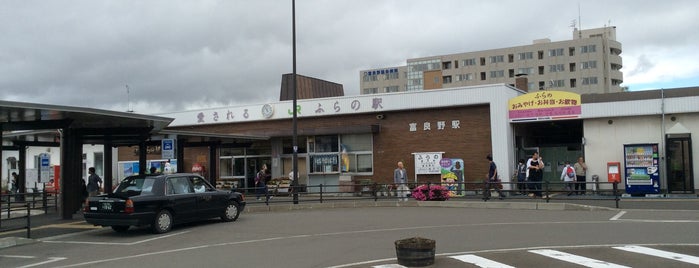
x=361, y=234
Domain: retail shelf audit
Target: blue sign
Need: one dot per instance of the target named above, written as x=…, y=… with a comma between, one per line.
x=168, y=148
x=44, y=168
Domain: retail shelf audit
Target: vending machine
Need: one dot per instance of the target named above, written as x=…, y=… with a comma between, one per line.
x=642, y=173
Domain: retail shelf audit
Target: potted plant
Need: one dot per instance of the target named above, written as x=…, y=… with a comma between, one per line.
x=415, y=251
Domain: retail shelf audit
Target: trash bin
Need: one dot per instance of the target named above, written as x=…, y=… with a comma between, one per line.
x=415, y=252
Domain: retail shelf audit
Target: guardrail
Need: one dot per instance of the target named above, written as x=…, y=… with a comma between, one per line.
x=462, y=191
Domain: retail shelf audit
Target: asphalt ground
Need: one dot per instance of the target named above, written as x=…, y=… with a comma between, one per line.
x=52, y=224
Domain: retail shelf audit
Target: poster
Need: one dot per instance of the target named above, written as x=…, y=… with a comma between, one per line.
x=452, y=170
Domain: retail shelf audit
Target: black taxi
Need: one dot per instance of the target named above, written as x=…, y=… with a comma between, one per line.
x=161, y=201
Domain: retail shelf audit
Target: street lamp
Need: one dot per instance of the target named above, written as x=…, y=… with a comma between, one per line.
x=294, y=159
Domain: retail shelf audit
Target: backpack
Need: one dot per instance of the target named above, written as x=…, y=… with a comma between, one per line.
x=570, y=172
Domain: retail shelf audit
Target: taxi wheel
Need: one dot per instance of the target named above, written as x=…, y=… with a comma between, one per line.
x=231, y=212
x=120, y=228
x=162, y=223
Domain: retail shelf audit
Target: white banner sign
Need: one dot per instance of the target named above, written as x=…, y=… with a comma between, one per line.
x=427, y=163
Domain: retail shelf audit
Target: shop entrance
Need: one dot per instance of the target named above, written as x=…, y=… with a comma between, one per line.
x=556, y=141
x=679, y=162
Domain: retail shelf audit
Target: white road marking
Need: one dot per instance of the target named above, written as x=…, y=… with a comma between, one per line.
x=116, y=243
x=618, y=215
x=17, y=256
x=480, y=261
x=580, y=260
x=50, y=260
x=661, y=253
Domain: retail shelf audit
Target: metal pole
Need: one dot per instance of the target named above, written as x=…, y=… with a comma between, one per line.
x=294, y=160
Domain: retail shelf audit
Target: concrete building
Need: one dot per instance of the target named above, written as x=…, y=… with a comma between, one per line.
x=588, y=63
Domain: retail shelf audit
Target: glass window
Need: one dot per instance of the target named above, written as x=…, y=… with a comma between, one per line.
x=325, y=144
x=588, y=65
x=179, y=185
x=324, y=163
x=357, y=142
x=226, y=166
x=555, y=52
x=239, y=166
x=556, y=68
x=372, y=90
x=496, y=74
x=588, y=49
x=496, y=59
x=525, y=56
x=232, y=151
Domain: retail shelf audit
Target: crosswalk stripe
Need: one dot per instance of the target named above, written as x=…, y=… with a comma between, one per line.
x=584, y=261
x=389, y=266
x=480, y=261
x=661, y=253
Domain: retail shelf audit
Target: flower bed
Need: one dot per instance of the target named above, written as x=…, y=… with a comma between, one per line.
x=432, y=192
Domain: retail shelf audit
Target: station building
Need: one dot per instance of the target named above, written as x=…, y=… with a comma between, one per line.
x=352, y=138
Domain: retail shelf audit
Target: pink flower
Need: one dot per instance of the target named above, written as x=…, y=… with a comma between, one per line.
x=434, y=192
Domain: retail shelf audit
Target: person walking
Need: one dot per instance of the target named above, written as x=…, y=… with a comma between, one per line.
x=94, y=182
x=535, y=166
x=400, y=178
x=568, y=176
x=492, y=180
x=580, y=168
x=261, y=183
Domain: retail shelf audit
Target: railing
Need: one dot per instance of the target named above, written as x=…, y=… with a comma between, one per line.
x=27, y=224
x=463, y=191
x=17, y=206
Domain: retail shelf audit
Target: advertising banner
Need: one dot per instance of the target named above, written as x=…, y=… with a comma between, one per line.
x=545, y=105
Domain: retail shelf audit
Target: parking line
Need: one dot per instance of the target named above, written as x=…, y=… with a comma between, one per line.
x=661, y=253
x=50, y=260
x=480, y=261
x=580, y=260
x=618, y=215
x=115, y=243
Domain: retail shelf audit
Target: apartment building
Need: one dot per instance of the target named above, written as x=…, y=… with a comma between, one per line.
x=589, y=63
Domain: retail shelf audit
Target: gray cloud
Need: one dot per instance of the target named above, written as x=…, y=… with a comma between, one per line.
x=178, y=55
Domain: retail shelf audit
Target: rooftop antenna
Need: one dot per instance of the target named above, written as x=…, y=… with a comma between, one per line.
x=128, y=99
x=579, y=22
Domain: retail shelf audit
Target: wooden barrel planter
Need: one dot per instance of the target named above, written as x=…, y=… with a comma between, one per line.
x=415, y=252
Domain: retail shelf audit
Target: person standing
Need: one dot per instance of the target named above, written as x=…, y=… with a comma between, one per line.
x=535, y=166
x=400, y=178
x=521, y=177
x=568, y=176
x=291, y=182
x=14, y=185
x=580, y=168
x=94, y=182
x=492, y=180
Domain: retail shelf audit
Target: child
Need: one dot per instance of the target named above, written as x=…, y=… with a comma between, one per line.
x=568, y=176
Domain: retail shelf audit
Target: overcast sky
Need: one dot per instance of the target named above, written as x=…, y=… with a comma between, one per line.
x=177, y=55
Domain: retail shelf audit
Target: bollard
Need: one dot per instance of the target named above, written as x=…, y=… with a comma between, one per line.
x=321, y=193
x=615, y=187
x=29, y=222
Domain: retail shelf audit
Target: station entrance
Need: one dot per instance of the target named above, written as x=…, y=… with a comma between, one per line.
x=556, y=141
